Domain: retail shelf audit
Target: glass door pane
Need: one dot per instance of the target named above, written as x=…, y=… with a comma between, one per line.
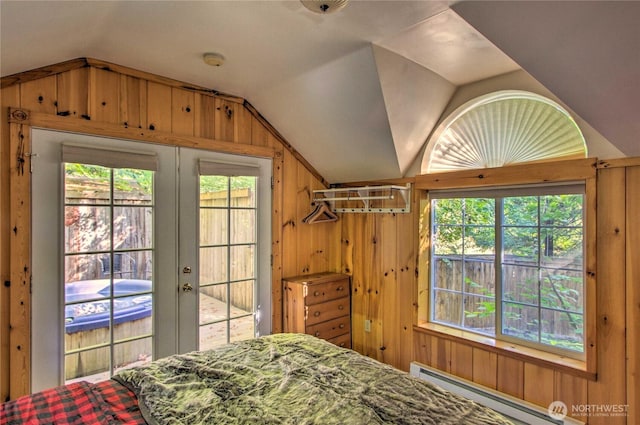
x=108, y=254
x=227, y=253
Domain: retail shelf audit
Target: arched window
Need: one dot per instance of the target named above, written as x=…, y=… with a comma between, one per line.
x=503, y=128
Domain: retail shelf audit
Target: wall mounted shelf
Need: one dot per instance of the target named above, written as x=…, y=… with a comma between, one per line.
x=367, y=199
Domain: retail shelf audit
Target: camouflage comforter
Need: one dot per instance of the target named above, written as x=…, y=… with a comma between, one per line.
x=291, y=379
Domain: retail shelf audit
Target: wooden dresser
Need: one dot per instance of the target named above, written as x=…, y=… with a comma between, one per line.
x=319, y=305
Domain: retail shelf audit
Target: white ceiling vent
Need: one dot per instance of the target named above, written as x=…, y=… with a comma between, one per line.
x=503, y=128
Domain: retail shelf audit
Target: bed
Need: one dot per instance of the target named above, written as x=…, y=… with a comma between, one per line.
x=277, y=379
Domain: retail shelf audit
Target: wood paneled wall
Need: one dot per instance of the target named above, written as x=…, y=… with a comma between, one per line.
x=88, y=94
x=380, y=252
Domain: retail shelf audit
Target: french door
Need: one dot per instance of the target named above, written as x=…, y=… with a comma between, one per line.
x=141, y=251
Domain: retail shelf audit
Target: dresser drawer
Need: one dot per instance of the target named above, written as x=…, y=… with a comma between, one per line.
x=331, y=328
x=322, y=292
x=318, y=304
x=317, y=313
x=343, y=341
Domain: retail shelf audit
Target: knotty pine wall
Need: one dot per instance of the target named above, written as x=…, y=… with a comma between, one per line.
x=380, y=252
x=92, y=94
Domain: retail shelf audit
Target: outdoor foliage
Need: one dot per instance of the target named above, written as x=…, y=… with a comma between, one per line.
x=540, y=264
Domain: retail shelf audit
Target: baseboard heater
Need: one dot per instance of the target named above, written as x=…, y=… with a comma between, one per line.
x=518, y=411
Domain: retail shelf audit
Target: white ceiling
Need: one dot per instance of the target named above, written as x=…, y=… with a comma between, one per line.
x=356, y=92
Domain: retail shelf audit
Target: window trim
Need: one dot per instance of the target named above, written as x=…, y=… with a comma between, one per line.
x=545, y=173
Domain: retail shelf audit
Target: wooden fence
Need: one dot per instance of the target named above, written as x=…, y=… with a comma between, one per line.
x=560, y=290
x=218, y=264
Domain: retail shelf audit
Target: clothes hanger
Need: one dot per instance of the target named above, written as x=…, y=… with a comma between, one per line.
x=321, y=214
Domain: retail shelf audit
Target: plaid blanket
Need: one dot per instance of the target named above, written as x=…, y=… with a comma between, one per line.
x=107, y=403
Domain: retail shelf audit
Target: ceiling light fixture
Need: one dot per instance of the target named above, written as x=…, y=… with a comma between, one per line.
x=213, y=59
x=324, y=6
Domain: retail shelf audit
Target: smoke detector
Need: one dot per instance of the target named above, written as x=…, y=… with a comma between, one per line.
x=324, y=6
x=213, y=59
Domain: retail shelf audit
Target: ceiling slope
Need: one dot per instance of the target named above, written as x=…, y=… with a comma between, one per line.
x=414, y=98
x=586, y=52
x=335, y=116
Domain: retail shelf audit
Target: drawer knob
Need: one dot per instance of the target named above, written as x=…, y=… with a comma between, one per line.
x=317, y=333
x=316, y=294
x=342, y=344
x=340, y=288
x=317, y=313
x=340, y=307
x=341, y=326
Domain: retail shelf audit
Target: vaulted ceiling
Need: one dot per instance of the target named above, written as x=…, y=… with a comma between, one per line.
x=359, y=91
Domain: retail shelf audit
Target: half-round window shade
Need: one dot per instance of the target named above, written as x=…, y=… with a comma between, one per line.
x=503, y=128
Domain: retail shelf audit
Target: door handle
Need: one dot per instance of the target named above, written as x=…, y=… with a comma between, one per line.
x=186, y=287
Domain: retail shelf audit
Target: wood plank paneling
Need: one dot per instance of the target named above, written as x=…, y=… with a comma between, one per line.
x=259, y=134
x=610, y=387
x=158, y=107
x=289, y=223
x=364, y=282
x=633, y=292
x=485, y=368
x=422, y=348
x=73, y=96
x=571, y=390
x=169, y=82
x=462, y=360
x=104, y=96
x=243, y=132
x=276, y=245
x=20, y=273
x=437, y=352
x=406, y=276
x=327, y=245
x=55, y=122
x=304, y=231
x=225, y=116
x=182, y=112
x=39, y=95
x=133, y=102
x=510, y=378
x=538, y=384
x=441, y=354
x=8, y=96
x=371, y=279
x=204, y=125
x=388, y=313
x=590, y=291
x=42, y=72
x=352, y=264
